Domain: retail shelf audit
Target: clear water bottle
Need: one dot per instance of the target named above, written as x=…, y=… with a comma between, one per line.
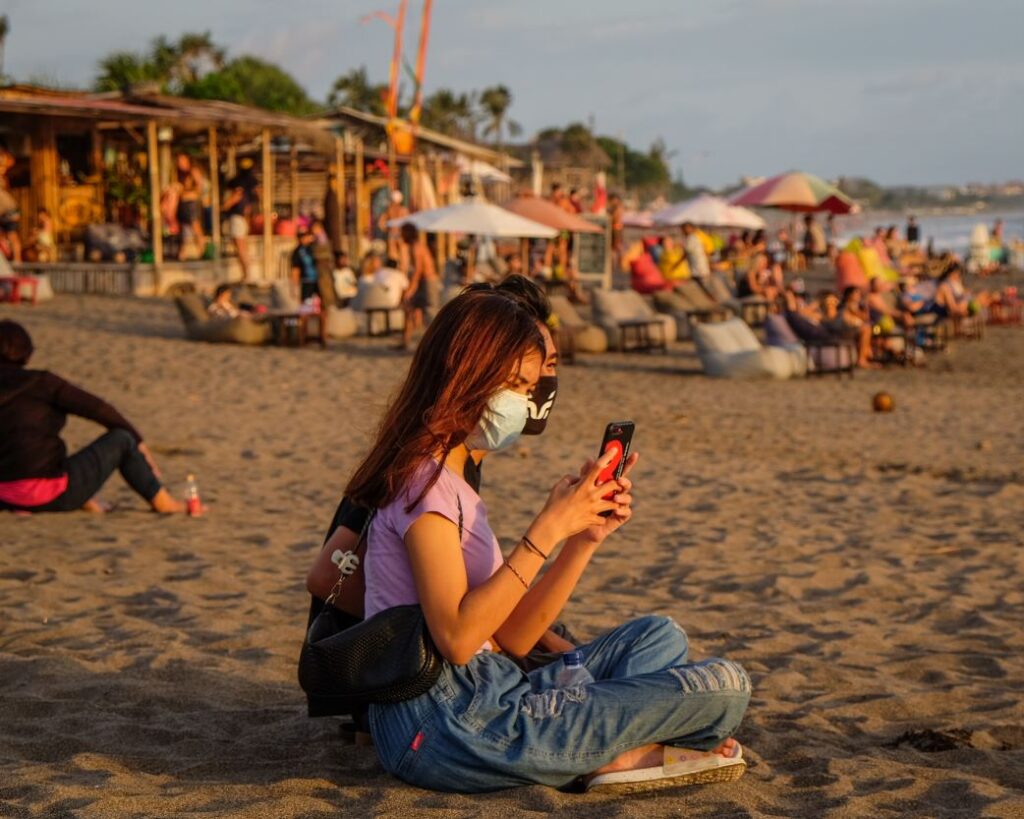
x=573, y=672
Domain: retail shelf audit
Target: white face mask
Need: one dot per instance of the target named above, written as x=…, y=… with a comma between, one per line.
x=502, y=422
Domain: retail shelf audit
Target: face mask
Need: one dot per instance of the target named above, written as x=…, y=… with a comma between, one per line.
x=539, y=405
x=502, y=422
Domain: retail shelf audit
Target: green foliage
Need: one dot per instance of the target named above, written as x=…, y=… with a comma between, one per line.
x=354, y=90
x=249, y=80
x=450, y=113
x=122, y=69
x=494, y=104
x=647, y=173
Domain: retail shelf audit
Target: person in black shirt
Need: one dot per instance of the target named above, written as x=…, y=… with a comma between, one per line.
x=304, y=267
x=913, y=232
x=36, y=473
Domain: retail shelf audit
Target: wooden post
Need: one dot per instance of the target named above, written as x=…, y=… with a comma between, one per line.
x=293, y=179
x=156, y=219
x=267, y=206
x=339, y=193
x=359, y=194
x=211, y=145
x=44, y=171
x=441, y=243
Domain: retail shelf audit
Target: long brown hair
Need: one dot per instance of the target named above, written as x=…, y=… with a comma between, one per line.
x=467, y=354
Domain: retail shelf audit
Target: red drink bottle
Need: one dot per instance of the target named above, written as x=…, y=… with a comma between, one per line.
x=195, y=506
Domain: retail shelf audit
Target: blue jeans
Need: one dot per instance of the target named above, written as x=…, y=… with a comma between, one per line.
x=488, y=725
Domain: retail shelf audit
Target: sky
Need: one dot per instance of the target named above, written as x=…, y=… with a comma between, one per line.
x=901, y=91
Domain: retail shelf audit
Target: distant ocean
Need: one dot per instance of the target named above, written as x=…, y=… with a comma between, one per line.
x=949, y=232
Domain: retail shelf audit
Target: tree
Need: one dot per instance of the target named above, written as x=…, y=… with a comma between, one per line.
x=354, y=90
x=450, y=113
x=248, y=80
x=123, y=69
x=495, y=103
x=173, y=65
x=647, y=173
x=5, y=29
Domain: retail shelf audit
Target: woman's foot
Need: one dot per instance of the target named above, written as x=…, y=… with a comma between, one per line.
x=165, y=504
x=650, y=756
x=96, y=506
x=657, y=766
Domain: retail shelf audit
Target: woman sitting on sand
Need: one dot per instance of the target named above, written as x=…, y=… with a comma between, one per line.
x=650, y=716
x=36, y=474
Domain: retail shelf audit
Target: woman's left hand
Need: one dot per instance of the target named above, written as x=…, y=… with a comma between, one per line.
x=595, y=535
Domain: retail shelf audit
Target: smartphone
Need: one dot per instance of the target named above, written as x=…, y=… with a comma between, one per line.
x=618, y=436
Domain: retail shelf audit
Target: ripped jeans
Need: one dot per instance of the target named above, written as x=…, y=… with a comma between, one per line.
x=488, y=725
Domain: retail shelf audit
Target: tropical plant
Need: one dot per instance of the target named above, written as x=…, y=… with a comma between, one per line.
x=173, y=65
x=495, y=102
x=5, y=29
x=354, y=90
x=248, y=80
x=450, y=113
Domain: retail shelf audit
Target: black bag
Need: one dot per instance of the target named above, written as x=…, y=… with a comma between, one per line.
x=388, y=658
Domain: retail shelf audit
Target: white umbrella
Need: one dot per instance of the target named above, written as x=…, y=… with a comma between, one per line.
x=481, y=170
x=709, y=211
x=479, y=218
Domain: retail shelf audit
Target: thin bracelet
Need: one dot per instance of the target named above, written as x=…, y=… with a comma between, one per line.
x=515, y=571
x=533, y=547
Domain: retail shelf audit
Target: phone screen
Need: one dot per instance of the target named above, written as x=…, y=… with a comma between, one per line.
x=618, y=437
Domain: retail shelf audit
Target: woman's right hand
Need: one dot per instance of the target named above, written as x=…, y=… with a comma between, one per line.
x=575, y=503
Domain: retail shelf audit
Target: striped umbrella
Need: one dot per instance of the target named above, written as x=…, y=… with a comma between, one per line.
x=796, y=191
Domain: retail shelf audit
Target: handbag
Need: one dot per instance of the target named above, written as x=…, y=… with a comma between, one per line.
x=387, y=658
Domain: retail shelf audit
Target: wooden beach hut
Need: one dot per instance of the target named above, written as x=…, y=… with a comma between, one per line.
x=105, y=158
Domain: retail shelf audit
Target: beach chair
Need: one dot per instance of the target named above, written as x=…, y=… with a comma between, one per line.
x=832, y=356
x=629, y=322
x=382, y=308
x=575, y=334
x=729, y=349
x=752, y=309
x=199, y=326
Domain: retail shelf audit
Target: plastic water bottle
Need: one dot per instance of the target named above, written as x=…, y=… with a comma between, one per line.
x=573, y=672
x=194, y=505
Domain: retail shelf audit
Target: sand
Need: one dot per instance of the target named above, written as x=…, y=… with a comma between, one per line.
x=866, y=569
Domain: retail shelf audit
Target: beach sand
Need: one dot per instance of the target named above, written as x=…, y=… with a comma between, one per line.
x=866, y=569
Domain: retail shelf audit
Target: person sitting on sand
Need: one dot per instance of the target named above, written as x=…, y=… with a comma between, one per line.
x=36, y=473
x=847, y=318
x=879, y=308
x=651, y=715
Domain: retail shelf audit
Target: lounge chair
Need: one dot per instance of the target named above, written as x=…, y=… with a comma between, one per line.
x=752, y=309
x=383, y=310
x=576, y=334
x=823, y=356
x=620, y=312
x=729, y=349
x=200, y=326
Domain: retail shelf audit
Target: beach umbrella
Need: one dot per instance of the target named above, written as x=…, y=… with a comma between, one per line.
x=638, y=219
x=795, y=191
x=478, y=169
x=709, y=211
x=548, y=213
x=478, y=218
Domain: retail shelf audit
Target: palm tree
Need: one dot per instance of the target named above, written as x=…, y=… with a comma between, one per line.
x=193, y=53
x=495, y=103
x=449, y=113
x=5, y=28
x=355, y=90
x=123, y=69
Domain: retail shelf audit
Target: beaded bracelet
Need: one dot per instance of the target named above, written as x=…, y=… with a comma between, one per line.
x=529, y=544
x=515, y=571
